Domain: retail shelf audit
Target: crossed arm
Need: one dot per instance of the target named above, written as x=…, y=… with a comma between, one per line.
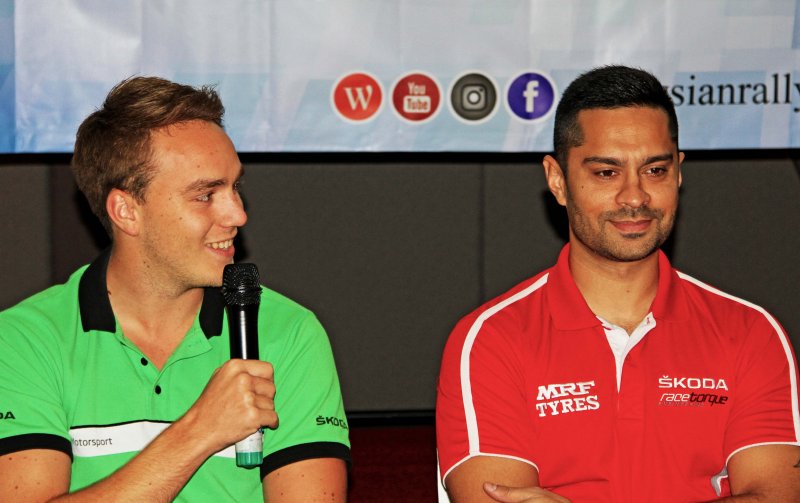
x=160, y=471
x=765, y=473
x=512, y=480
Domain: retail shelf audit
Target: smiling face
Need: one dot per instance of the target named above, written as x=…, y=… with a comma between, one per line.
x=192, y=208
x=621, y=187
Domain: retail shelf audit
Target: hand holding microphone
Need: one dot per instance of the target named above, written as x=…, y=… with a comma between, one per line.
x=241, y=289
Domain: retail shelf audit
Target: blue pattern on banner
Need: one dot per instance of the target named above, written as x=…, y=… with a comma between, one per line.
x=43, y=128
x=7, y=129
x=7, y=90
x=241, y=95
x=706, y=99
x=312, y=123
x=749, y=8
x=453, y=133
x=796, y=37
x=794, y=121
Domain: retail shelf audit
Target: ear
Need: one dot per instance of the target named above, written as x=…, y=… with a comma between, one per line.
x=123, y=211
x=680, y=168
x=556, y=180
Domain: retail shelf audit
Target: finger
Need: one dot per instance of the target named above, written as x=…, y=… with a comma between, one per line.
x=271, y=420
x=263, y=388
x=256, y=368
x=264, y=404
x=507, y=494
x=500, y=493
x=249, y=387
x=260, y=412
x=258, y=395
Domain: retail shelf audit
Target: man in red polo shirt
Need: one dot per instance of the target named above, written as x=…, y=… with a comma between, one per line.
x=611, y=376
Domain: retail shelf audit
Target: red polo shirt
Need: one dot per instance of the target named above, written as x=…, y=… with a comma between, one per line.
x=532, y=375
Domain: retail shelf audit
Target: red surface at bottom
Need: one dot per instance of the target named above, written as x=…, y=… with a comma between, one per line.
x=393, y=465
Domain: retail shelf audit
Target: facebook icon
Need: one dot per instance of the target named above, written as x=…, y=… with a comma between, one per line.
x=530, y=96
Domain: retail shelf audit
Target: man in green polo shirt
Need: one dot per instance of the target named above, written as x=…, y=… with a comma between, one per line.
x=117, y=385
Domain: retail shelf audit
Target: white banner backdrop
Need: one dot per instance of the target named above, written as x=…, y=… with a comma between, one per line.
x=401, y=75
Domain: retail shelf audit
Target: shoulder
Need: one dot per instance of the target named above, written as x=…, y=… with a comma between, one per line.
x=727, y=309
x=281, y=310
x=287, y=320
x=740, y=325
x=53, y=309
x=277, y=301
x=511, y=304
x=504, y=316
x=38, y=335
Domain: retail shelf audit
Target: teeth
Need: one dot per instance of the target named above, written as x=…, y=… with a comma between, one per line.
x=222, y=245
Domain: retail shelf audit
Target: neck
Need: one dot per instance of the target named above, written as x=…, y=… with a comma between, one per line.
x=620, y=292
x=152, y=315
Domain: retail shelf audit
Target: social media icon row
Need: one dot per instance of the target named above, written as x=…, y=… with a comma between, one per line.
x=416, y=97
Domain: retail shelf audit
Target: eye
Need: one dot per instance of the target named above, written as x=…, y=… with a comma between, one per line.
x=605, y=173
x=237, y=185
x=656, y=171
x=205, y=197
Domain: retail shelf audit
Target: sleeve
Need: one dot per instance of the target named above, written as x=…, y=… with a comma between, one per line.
x=312, y=421
x=766, y=404
x=32, y=415
x=481, y=403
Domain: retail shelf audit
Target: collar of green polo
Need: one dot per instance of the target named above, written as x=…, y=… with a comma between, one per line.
x=95, y=307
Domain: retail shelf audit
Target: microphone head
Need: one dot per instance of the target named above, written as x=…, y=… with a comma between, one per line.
x=241, y=285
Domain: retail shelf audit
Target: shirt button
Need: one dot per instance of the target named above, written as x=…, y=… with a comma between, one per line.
x=158, y=389
x=144, y=361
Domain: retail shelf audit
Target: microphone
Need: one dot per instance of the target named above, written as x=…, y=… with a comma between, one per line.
x=242, y=292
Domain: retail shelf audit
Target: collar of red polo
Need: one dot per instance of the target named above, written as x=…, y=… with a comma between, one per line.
x=571, y=312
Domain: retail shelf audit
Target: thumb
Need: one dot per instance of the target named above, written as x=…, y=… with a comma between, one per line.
x=500, y=493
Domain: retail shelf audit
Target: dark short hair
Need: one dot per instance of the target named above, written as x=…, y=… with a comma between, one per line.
x=607, y=87
x=112, y=147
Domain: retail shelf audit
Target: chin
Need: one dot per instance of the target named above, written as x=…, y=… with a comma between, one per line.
x=211, y=278
x=627, y=254
x=628, y=258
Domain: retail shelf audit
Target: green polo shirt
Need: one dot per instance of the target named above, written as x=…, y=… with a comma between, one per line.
x=71, y=381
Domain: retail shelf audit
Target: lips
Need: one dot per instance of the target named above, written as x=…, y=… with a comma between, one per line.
x=632, y=226
x=224, y=249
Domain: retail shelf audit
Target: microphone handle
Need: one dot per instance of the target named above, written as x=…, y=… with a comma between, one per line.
x=243, y=329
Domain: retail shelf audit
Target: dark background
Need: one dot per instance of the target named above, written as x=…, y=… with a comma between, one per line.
x=390, y=250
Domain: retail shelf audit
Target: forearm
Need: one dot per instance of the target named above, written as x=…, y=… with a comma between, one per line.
x=764, y=473
x=163, y=468
x=156, y=474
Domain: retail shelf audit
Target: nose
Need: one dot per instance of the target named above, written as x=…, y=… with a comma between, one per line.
x=632, y=193
x=233, y=214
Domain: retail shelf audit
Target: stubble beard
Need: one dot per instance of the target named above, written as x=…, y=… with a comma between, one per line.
x=172, y=271
x=633, y=246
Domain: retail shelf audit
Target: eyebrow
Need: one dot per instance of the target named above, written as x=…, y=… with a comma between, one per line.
x=613, y=161
x=204, y=184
